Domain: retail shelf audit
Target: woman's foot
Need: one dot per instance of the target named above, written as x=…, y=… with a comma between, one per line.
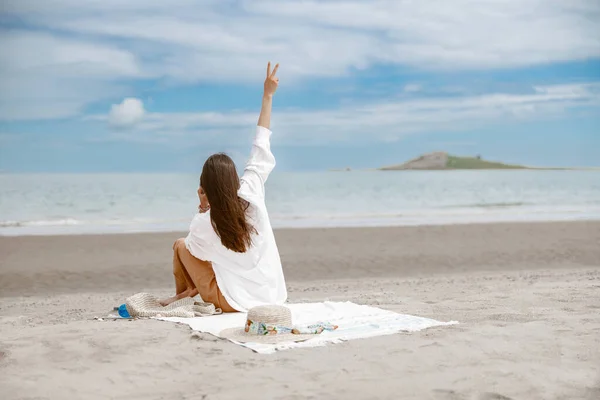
x=187, y=293
x=168, y=301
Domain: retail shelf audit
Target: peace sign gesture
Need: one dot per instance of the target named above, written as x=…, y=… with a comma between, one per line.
x=272, y=81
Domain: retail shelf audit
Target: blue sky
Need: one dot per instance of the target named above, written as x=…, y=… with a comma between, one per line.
x=151, y=85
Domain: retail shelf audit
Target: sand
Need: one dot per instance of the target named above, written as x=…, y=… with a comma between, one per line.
x=527, y=297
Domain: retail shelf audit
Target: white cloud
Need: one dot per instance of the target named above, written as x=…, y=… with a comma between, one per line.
x=49, y=76
x=229, y=41
x=412, y=88
x=66, y=56
x=337, y=35
x=126, y=114
x=386, y=121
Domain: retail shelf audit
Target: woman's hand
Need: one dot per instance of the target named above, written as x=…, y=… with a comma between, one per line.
x=271, y=84
x=204, y=205
x=272, y=81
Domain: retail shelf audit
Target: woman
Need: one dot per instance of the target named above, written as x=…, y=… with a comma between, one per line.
x=230, y=256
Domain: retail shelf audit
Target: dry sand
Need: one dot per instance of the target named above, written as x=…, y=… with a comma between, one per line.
x=527, y=297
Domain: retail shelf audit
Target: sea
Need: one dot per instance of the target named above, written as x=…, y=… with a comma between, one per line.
x=57, y=204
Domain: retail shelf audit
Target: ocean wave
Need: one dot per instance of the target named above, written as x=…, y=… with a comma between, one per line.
x=492, y=205
x=56, y=222
x=487, y=209
x=81, y=222
x=426, y=216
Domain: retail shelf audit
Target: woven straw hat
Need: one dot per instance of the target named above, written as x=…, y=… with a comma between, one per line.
x=267, y=324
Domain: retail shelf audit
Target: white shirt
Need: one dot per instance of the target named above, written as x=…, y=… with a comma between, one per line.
x=255, y=277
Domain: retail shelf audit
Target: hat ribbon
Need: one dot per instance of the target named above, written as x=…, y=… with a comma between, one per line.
x=262, y=328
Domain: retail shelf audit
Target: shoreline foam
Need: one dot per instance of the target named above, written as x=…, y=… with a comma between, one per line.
x=484, y=214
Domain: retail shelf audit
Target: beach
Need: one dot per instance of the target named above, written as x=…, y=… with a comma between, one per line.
x=527, y=297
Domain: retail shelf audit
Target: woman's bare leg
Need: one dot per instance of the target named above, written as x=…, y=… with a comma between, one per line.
x=183, y=282
x=184, y=286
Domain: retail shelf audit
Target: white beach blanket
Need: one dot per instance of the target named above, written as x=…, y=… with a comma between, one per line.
x=354, y=322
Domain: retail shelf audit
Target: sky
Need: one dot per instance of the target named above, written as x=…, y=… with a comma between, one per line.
x=157, y=86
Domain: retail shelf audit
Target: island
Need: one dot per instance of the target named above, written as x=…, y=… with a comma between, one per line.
x=347, y=169
x=441, y=160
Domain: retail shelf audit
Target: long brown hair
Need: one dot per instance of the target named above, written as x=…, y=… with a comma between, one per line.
x=220, y=183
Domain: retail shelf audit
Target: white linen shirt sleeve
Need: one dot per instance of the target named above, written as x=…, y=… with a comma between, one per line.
x=198, y=241
x=259, y=165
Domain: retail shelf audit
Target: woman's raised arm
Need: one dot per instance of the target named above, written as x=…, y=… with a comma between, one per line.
x=261, y=161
